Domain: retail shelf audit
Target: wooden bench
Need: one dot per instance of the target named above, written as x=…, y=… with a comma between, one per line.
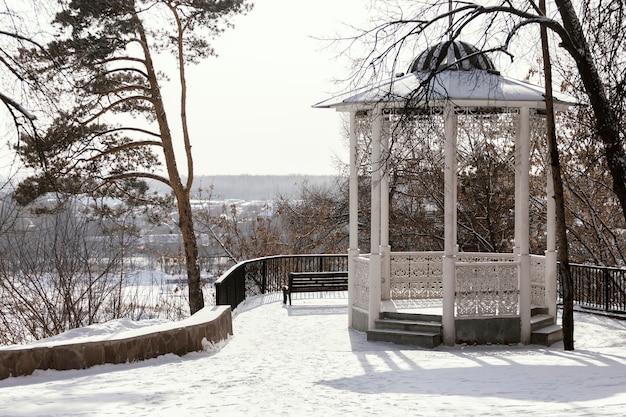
x=315, y=281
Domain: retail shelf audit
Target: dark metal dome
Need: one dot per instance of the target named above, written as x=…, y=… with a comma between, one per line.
x=452, y=55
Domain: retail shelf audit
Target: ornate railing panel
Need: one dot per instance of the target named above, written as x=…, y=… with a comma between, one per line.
x=538, y=280
x=487, y=289
x=362, y=282
x=416, y=275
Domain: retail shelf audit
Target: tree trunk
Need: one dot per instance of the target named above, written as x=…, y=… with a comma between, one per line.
x=606, y=118
x=185, y=223
x=555, y=171
x=185, y=216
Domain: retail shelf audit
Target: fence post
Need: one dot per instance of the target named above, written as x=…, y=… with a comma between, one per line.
x=606, y=289
x=264, y=277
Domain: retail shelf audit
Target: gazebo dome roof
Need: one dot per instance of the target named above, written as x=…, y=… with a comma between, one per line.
x=452, y=55
x=449, y=71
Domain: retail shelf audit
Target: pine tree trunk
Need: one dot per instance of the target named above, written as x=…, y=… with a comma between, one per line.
x=185, y=215
x=185, y=223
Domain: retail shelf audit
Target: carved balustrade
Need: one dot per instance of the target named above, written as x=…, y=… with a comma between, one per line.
x=537, y=280
x=361, y=284
x=486, y=284
x=487, y=289
x=416, y=275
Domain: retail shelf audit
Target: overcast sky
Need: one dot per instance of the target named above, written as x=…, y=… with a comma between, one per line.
x=251, y=107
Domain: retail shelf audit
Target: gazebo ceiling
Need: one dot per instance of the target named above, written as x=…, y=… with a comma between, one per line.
x=464, y=76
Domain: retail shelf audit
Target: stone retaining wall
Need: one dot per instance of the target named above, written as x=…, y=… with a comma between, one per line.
x=212, y=323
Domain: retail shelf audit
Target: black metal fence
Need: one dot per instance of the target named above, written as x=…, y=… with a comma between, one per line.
x=270, y=274
x=595, y=287
x=598, y=287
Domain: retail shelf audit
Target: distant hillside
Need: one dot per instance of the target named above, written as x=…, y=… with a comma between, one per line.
x=256, y=187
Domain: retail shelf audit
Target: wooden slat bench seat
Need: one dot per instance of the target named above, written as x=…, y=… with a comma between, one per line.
x=315, y=281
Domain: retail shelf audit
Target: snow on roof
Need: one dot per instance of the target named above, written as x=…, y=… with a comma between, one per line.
x=463, y=88
x=450, y=70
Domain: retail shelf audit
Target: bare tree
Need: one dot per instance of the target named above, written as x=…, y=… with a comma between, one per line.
x=58, y=269
x=242, y=231
x=500, y=24
x=316, y=220
x=555, y=172
x=593, y=44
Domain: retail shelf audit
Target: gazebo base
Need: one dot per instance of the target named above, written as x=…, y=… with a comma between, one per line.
x=488, y=330
x=418, y=323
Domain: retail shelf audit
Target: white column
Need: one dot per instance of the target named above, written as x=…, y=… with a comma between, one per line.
x=522, y=164
x=385, y=248
x=516, y=209
x=375, y=261
x=450, y=236
x=550, y=259
x=353, y=250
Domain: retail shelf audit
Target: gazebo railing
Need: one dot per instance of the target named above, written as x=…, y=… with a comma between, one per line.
x=487, y=289
x=361, y=284
x=487, y=284
x=538, y=280
x=416, y=275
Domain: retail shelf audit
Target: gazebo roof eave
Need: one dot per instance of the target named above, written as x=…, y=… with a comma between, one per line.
x=463, y=88
x=347, y=107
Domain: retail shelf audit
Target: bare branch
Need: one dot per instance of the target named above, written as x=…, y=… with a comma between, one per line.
x=148, y=175
x=113, y=105
x=125, y=147
x=17, y=106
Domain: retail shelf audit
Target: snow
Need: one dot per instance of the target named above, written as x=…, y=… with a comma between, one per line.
x=303, y=360
x=462, y=87
x=122, y=329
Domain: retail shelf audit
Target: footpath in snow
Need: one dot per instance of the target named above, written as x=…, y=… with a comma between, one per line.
x=304, y=361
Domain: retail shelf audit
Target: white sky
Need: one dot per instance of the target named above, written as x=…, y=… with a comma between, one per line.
x=251, y=107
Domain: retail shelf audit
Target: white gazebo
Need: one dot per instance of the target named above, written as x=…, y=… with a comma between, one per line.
x=485, y=297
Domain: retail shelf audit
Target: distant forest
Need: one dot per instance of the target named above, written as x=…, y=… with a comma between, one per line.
x=255, y=187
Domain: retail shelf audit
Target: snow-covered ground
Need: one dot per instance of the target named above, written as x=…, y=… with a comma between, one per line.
x=304, y=361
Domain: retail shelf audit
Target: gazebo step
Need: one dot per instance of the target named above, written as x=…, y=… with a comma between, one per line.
x=403, y=337
x=412, y=329
x=547, y=336
x=410, y=316
x=540, y=321
x=543, y=328
x=537, y=310
x=409, y=325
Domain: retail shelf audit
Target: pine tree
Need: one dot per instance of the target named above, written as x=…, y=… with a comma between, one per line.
x=105, y=60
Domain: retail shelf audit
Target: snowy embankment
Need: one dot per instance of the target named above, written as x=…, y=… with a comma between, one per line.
x=120, y=341
x=303, y=360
